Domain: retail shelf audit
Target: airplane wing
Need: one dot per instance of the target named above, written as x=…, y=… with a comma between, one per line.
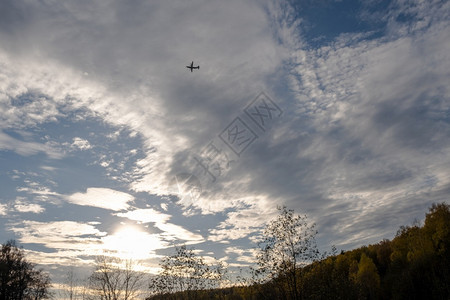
x=192, y=66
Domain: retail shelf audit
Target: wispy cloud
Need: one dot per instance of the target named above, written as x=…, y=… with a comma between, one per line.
x=59, y=235
x=25, y=148
x=379, y=111
x=24, y=207
x=147, y=215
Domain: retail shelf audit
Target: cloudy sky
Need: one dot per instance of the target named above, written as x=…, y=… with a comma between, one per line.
x=337, y=109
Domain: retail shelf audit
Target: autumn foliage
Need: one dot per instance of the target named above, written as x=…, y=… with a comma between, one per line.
x=414, y=265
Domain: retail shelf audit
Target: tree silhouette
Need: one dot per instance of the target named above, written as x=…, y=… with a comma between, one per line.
x=114, y=279
x=288, y=243
x=185, y=271
x=18, y=278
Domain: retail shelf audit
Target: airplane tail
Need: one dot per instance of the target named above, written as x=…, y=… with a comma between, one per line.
x=199, y=67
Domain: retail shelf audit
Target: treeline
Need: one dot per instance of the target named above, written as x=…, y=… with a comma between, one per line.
x=414, y=265
x=287, y=242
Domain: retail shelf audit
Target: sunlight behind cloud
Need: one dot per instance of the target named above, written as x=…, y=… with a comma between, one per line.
x=128, y=242
x=170, y=231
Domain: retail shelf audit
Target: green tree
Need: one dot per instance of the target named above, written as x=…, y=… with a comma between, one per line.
x=185, y=271
x=437, y=227
x=368, y=278
x=420, y=263
x=429, y=256
x=288, y=243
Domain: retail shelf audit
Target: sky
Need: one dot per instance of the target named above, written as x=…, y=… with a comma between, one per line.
x=339, y=110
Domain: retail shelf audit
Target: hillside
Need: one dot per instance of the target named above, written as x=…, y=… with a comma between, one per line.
x=414, y=265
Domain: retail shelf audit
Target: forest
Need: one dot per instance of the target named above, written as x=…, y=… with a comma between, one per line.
x=413, y=265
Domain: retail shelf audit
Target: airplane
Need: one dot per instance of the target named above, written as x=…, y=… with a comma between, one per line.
x=192, y=66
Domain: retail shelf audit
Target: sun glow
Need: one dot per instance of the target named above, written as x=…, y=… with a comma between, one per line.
x=129, y=242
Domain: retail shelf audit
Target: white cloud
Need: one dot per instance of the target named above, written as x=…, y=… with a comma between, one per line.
x=62, y=228
x=235, y=250
x=59, y=235
x=176, y=232
x=242, y=222
x=145, y=215
x=3, y=209
x=103, y=198
x=28, y=207
x=246, y=256
x=36, y=189
x=48, y=168
x=21, y=107
x=81, y=144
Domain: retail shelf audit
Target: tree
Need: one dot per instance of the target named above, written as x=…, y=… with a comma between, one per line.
x=71, y=288
x=115, y=279
x=437, y=227
x=18, y=278
x=368, y=278
x=288, y=243
x=185, y=271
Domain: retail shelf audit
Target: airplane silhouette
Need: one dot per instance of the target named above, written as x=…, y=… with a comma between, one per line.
x=192, y=66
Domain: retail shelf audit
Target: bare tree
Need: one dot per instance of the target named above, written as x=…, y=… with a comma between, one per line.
x=18, y=278
x=39, y=286
x=73, y=287
x=115, y=279
x=185, y=271
x=288, y=243
x=67, y=289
